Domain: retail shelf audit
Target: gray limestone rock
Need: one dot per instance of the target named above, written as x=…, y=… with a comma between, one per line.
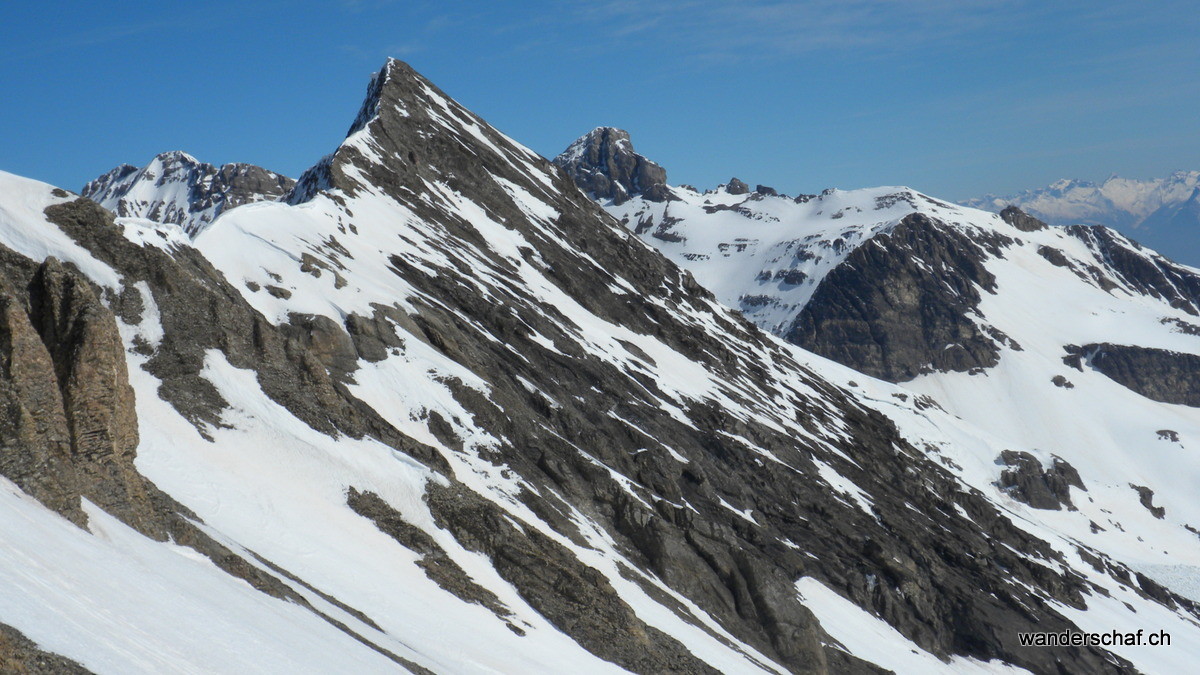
x=1021, y=220
x=902, y=308
x=1158, y=374
x=603, y=163
x=1026, y=480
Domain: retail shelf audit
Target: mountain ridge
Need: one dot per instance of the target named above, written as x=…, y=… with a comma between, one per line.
x=175, y=187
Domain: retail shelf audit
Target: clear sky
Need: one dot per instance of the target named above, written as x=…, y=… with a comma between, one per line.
x=953, y=97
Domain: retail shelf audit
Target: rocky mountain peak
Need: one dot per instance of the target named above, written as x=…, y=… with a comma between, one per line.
x=604, y=163
x=409, y=136
x=175, y=187
x=174, y=157
x=736, y=186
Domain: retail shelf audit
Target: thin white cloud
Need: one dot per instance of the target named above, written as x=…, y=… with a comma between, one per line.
x=757, y=29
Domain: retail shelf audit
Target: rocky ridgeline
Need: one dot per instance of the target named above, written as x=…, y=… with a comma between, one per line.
x=176, y=188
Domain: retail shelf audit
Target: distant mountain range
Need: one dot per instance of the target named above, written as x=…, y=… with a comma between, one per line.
x=1163, y=213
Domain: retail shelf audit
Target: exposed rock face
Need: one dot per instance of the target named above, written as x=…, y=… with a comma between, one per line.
x=604, y=164
x=89, y=362
x=1027, y=481
x=1142, y=271
x=735, y=186
x=176, y=188
x=1158, y=374
x=902, y=308
x=35, y=441
x=72, y=429
x=1146, y=497
x=1021, y=220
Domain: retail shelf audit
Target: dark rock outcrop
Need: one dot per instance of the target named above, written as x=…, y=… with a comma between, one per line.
x=81, y=336
x=902, y=308
x=20, y=656
x=35, y=441
x=1060, y=381
x=736, y=186
x=603, y=163
x=1157, y=374
x=1021, y=220
x=1146, y=498
x=72, y=428
x=1140, y=270
x=1027, y=481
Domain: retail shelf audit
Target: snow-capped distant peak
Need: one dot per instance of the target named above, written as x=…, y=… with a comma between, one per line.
x=1149, y=210
x=175, y=187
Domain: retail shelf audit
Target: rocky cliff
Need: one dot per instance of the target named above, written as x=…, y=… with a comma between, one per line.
x=604, y=163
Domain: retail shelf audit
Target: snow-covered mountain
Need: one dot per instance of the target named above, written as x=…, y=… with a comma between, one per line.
x=1075, y=343
x=1154, y=212
x=438, y=411
x=177, y=188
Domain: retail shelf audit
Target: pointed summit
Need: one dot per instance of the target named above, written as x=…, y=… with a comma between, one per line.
x=409, y=136
x=604, y=164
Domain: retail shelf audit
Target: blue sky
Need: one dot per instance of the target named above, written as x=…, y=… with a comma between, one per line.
x=954, y=98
